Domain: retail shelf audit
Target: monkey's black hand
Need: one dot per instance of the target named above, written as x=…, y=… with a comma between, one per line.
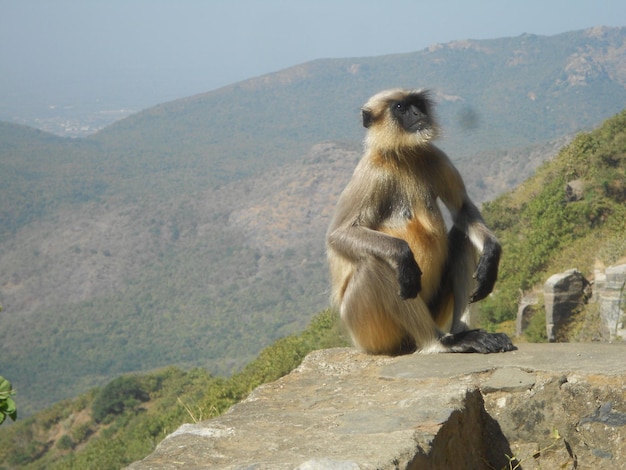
x=487, y=270
x=409, y=275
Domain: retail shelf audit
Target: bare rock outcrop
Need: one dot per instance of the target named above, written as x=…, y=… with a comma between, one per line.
x=542, y=406
x=563, y=293
x=566, y=292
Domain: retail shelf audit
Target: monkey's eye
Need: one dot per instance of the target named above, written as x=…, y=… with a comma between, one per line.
x=400, y=107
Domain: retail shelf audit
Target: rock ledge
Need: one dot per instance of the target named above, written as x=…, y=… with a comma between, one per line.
x=546, y=405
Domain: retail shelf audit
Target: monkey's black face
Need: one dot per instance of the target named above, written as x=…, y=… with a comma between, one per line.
x=366, y=114
x=399, y=118
x=411, y=113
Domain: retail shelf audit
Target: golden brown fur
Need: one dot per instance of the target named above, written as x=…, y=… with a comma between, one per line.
x=398, y=278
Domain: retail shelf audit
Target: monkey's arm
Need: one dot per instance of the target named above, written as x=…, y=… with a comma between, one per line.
x=469, y=224
x=357, y=243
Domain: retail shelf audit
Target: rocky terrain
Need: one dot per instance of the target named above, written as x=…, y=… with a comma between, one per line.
x=542, y=406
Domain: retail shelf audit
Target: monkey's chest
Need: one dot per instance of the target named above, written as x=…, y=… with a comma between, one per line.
x=412, y=213
x=425, y=232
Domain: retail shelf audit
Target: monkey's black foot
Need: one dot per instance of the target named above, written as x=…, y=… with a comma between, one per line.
x=477, y=341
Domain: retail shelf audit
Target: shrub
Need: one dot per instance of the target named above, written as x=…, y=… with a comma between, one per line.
x=65, y=443
x=7, y=405
x=125, y=392
x=82, y=432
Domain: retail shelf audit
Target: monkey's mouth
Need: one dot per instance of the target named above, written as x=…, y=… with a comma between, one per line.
x=416, y=122
x=418, y=126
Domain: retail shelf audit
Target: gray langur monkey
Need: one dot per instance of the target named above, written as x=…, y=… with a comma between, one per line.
x=400, y=280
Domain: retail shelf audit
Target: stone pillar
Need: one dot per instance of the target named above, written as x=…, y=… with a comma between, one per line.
x=563, y=293
x=612, y=300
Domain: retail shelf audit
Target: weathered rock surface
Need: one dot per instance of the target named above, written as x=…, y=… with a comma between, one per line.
x=548, y=405
x=611, y=297
x=563, y=293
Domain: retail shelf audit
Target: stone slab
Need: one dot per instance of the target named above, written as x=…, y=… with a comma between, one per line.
x=343, y=409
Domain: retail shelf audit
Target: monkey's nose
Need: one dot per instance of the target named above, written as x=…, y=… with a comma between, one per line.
x=414, y=110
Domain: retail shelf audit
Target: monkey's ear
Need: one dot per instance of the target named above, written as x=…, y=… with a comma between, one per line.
x=367, y=117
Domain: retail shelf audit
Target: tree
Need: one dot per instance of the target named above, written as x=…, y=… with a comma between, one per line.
x=123, y=393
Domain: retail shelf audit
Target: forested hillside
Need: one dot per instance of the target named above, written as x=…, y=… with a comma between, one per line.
x=545, y=231
x=192, y=233
x=122, y=422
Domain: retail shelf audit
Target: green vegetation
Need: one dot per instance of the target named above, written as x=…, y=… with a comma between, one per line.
x=122, y=394
x=7, y=404
x=123, y=421
x=543, y=232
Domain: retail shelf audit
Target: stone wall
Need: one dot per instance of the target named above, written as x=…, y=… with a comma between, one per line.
x=566, y=292
x=542, y=406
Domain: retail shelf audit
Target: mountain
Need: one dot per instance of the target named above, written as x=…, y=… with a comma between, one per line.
x=192, y=233
x=492, y=95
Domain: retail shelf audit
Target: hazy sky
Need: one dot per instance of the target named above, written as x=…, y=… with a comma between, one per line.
x=157, y=50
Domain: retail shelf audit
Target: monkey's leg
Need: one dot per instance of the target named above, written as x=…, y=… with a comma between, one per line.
x=380, y=322
x=459, y=280
x=378, y=319
x=452, y=307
